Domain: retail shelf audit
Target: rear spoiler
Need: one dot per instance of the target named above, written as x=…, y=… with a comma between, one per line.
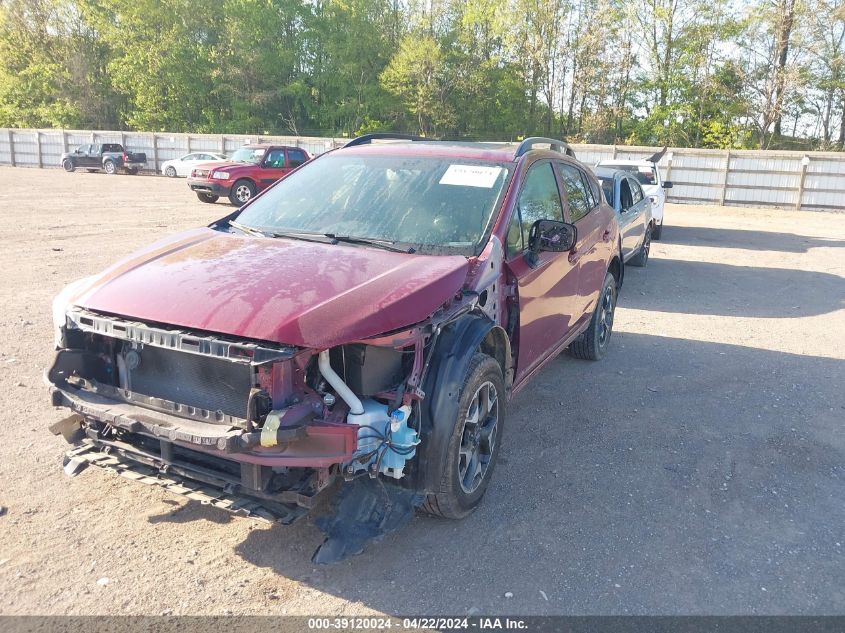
x=655, y=158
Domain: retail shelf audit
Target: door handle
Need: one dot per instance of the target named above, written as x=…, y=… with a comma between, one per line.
x=605, y=237
x=574, y=257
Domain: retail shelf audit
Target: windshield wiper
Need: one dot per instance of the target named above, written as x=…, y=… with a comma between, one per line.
x=249, y=230
x=320, y=237
x=383, y=244
x=296, y=235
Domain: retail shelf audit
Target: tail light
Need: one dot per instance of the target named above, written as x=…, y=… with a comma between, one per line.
x=125, y=157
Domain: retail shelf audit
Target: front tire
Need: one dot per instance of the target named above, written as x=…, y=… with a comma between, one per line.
x=210, y=198
x=110, y=167
x=170, y=172
x=474, y=445
x=67, y=165
x=241, y=193
x=641, y=258
x=592, y=343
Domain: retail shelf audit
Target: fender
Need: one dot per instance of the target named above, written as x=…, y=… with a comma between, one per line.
x=457, y=344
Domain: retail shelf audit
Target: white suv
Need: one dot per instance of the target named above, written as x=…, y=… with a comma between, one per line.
x=648, y=175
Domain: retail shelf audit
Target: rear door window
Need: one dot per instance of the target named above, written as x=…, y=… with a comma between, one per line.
x=296, y=157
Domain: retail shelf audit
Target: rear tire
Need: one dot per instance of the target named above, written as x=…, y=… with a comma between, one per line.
x=475, y=441
x=210, y=198
x=242, y=192
x=592, y=343
x=131, y=170
x=68, y=165
x=658, y=231
x=110, y=167
x=641, y=258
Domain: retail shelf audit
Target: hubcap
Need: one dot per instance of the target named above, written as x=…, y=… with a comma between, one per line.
x=647, y=245
x=478, y=437
x=242, y=193
x=606, y=315
x=109, y=168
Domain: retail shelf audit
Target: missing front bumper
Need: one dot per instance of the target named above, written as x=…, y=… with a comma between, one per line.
x=89, y=453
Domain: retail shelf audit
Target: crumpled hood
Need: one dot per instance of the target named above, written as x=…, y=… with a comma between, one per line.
x=287, y=291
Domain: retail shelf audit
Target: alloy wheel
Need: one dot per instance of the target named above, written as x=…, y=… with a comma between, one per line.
x=606, y=315
x=478, y=437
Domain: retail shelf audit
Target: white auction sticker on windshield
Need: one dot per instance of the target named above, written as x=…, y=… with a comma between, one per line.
x=471, y=176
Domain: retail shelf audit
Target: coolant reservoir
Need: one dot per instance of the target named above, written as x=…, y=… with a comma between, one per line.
x=388, y=441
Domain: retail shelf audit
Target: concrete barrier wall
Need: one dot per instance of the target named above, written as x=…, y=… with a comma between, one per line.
x=798, y=180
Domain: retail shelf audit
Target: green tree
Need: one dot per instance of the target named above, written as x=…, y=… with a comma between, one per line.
x=420, y=77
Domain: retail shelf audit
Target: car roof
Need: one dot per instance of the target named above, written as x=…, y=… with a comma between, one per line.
x=459, y=150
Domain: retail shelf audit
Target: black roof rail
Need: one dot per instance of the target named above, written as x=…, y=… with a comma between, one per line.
x=366, y=139
x=556, y=145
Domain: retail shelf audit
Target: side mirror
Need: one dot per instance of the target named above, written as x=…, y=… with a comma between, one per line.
x=667, y=184
x=550, y=235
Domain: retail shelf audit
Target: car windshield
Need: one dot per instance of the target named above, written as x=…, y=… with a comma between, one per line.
x=247, y=155
x=643, y=173
x=607, y=188
x=434, y=205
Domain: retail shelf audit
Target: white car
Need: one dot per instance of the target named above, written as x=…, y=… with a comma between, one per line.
x=648, y=175
x=183, y=166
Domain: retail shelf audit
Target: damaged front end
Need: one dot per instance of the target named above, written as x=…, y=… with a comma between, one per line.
x=256, y=428
x=267, y=430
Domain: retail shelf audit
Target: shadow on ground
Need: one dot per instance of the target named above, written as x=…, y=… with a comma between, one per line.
x=745, y=291
x=673, y=473
x=747, y=240
x=673, y=477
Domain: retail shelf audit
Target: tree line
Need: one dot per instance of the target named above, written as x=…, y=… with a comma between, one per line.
x=697, y=73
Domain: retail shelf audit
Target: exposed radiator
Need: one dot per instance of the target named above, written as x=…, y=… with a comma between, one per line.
x=192, y=379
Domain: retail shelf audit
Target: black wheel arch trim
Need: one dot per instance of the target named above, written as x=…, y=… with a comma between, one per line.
x=458, y=342
x=618, y=260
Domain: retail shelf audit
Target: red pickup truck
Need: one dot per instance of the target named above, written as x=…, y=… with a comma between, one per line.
x=251, y=169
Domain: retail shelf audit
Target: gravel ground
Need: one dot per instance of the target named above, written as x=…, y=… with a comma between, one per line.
x=698, y=469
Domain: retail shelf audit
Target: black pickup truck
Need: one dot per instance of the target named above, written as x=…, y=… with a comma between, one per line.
x=110, y=157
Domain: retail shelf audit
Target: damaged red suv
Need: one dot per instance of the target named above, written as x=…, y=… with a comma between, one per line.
x=367, y=318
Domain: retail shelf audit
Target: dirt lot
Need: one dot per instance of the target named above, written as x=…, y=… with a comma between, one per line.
x=697, y=469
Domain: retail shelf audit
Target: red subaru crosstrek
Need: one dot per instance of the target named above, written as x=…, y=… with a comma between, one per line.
x=366, y=318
